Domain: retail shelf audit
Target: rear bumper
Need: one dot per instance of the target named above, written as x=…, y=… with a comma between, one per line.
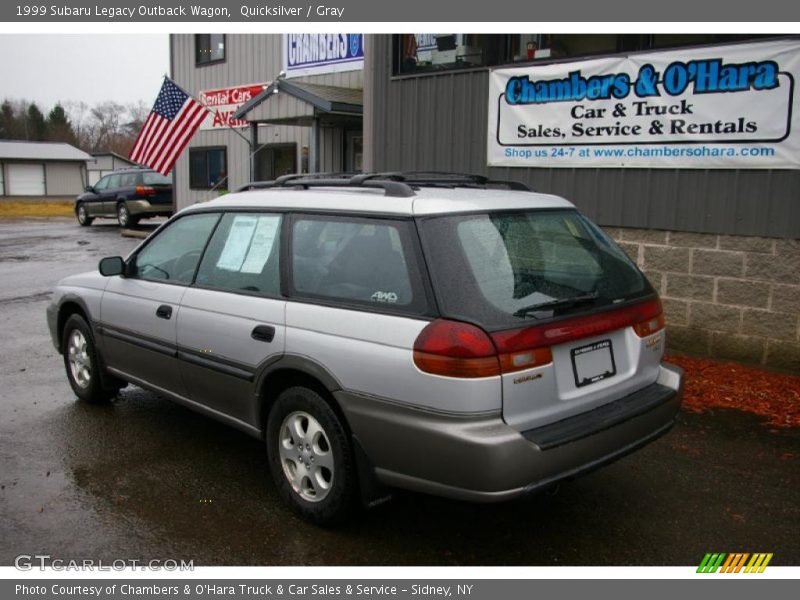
x=141, y=208
x=480, y=458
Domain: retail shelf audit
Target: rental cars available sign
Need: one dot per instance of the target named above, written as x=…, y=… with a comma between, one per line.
x=222, y=103
x=729, y=106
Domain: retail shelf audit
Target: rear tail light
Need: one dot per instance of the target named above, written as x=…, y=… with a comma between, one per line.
x=145, y=190
x=457, y=349
x=650, y=326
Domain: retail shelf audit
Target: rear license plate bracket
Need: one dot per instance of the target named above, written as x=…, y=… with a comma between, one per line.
x=593, y=362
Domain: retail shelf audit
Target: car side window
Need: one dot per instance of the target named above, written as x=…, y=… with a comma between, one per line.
x=173, y=254
x=128, y=180
x=355, y=260
x=102, y=184
x=244, y=254
x=113, y=182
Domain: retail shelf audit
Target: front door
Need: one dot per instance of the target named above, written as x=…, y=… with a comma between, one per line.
x=139, y=313
x=232, y=319
x=93, y=200
x=109, y=195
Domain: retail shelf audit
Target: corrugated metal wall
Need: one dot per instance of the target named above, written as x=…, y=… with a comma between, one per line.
x=439, y=122
x=249, y=59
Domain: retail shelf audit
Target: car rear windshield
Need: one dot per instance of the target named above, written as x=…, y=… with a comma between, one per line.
x=152, y=178
x=504, y=269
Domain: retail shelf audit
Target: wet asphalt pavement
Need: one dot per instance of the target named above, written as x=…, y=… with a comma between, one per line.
x=143, y=478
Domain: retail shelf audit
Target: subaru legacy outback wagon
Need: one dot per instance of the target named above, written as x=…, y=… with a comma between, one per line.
x=440, y=333
x=128, y=195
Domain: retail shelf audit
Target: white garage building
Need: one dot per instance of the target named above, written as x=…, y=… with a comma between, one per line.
x=43, y=169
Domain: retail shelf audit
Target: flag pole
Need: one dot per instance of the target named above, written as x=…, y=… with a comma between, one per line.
x=253, y=151
x=196, y=99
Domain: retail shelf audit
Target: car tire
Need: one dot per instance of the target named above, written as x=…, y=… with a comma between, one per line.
x=310, y=456
x=83, y=215
x=124, y=217
x=82, y=364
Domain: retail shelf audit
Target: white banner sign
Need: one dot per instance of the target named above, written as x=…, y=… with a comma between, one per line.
x=318, y=53
x=224, y=102
x=714, y=107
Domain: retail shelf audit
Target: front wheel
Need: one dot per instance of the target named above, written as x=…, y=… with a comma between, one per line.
x=83, y=216
x=310, y=456
x=80, y=361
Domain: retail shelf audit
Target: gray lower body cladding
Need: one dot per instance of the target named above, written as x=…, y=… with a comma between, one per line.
x=480, y=458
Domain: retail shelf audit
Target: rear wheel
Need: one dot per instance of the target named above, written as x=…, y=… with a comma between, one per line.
x=124, y=216
x=83, y=215
x=310, y=456
x=80, y=361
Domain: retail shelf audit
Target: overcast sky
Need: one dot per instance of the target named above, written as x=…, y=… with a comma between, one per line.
x=48, y=68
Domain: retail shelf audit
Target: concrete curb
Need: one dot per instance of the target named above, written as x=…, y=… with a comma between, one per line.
x=135, y=233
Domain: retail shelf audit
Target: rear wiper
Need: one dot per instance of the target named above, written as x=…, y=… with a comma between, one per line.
x=554, y=304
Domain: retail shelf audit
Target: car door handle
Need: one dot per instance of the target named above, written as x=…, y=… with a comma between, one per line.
x=263, y=333
x=164, y=311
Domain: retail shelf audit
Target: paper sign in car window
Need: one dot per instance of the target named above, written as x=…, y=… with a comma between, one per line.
x=261, y=245
x=239, y=236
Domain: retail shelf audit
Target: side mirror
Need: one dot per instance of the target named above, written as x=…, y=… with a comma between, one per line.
x=89, y=188
x=111, y=265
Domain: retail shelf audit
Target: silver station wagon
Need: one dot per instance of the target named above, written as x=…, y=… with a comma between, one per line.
x=436, y=332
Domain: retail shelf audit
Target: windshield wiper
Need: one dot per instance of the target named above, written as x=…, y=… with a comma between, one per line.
x=555, y=304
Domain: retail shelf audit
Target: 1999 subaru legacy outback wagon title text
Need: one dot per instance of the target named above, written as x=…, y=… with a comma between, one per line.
x=436, y=332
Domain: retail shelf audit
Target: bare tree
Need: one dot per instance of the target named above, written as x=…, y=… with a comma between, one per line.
x=82, y=124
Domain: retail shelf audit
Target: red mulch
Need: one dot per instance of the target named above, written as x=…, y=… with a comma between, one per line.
x=714, y=384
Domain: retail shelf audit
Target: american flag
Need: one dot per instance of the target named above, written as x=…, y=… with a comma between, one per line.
x=172, y=122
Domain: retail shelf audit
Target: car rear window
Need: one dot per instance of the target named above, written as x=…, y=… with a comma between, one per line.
x=502, y=269
x=153, y=178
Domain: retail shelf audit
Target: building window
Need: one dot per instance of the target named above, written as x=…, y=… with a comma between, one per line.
x=209, y=48
x=208, y=168
x=418, y=53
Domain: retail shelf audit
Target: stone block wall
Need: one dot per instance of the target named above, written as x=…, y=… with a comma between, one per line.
x=729, y=297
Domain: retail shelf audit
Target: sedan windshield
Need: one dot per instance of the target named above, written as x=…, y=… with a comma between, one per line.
x=500, y=269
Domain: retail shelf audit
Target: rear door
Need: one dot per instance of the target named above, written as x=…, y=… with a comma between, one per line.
x=358, y=301
x=232, y=319
x=108, y=195
x=139, y=313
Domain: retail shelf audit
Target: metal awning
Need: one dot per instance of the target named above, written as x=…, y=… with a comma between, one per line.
x=299, y=103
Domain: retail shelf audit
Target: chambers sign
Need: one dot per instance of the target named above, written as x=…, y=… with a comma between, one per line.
x=713, y=107
x=318, y=53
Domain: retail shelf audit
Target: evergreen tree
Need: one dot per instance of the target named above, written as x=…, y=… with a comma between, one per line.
x=36, y=125
x=9, y=123
x=59, y=128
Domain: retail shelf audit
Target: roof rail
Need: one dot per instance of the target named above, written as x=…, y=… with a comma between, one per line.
x=306, y=181
x=394, y=183
x=450, y=179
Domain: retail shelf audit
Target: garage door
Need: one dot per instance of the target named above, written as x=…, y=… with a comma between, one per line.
x=25, y=180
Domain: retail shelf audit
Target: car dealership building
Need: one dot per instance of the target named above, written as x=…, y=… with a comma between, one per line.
x=685, y=148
